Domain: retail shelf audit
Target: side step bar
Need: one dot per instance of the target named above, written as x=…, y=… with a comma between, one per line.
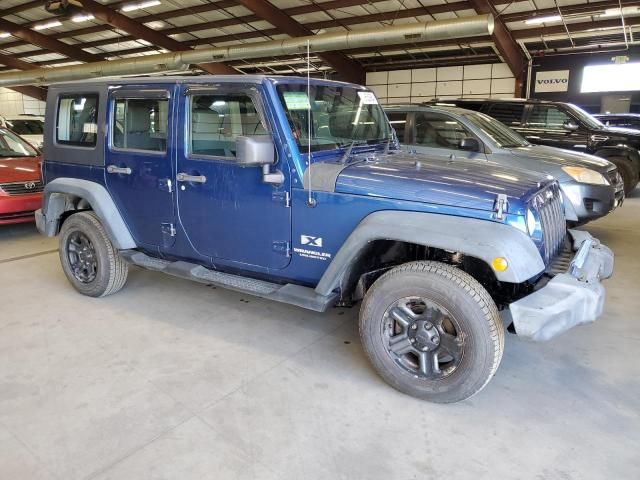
x=300, y=296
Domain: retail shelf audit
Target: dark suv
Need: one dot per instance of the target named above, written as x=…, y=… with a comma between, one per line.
x=564, y=125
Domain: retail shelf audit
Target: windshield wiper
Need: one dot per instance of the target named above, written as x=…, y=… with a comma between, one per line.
x=347, y=152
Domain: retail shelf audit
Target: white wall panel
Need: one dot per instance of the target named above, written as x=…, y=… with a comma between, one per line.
x=476, y=87
x=423, y=89
x=424, y=75
x=477, y=71
x=400, y=90
x=400, y=76
x=422, y=84
x=377, y=78
x=450, y=73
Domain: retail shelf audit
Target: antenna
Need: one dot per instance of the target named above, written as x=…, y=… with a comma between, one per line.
x=310, y=200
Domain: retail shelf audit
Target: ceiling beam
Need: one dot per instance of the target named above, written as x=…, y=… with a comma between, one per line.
x=15, y=63
x=346, y=68
x=21, y=8
x=140, y=31
x=194, y=10
x=584, y=9
x=39, y=93
x=574, y=28
x=74, y=52
x=348, y=21
x=509, y=49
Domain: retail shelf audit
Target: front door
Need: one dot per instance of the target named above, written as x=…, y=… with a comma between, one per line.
x=226, y=210
x=138, y=163
x=439, y=135
x=553, y=126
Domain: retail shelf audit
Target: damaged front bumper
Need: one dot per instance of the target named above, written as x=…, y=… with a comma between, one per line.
x=571, y=298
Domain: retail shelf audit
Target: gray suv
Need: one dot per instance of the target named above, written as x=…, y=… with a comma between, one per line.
x=591, y=186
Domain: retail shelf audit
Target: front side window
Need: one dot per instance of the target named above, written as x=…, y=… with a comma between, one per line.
x=548, y=116
x=329, y=116
x=218, y=119
x=439, y=131
x=77, y=120
x=13, y=146
x=398, y=121
x=140, y=124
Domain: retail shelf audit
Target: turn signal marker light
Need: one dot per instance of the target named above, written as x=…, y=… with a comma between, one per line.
x=500, y=264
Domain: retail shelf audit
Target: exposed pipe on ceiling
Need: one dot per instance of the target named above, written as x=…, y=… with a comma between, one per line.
x=479, y=25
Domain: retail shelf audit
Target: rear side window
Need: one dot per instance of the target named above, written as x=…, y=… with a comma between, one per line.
x=217, y=120
x=140, y=124
x=398, y=121
x=508, y=113
x=77, y=120
x=548, y=116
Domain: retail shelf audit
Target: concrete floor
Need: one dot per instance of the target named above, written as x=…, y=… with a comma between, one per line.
x=175, y=380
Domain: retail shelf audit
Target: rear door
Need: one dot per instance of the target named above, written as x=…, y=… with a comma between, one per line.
x=139, y=163
x=438, y=135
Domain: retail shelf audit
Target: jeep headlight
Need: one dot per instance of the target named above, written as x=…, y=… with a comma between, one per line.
x=585, y=175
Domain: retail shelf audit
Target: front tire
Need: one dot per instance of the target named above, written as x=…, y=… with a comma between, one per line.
x=628, y=173
x=432, y=331
x=89, y=259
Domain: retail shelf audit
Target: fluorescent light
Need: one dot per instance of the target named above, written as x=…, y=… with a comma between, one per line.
x=82, y=17
x=137, y=6
x=5, y=35
x=539, y=20
x=615, y=12
x=51, y=24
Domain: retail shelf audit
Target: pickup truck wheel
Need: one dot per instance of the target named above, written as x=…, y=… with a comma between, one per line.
x=432, y=331
x=627, y=171
x=89, y=259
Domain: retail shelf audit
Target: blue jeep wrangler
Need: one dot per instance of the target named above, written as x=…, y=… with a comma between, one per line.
x=300, y=194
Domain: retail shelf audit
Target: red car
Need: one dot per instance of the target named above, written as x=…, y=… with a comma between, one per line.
x=20, y=179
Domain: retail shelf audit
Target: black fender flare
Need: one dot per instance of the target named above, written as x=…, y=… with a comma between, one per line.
x=55, y=201
x=482, y=239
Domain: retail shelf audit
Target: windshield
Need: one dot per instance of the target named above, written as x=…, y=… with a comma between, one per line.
x=501, y=135
x=340, y=116
x=13, y=146
x=585, y=117
x=26, y=127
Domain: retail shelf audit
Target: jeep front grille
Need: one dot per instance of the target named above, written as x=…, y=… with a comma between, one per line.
x=22, y=188
x=548, y=204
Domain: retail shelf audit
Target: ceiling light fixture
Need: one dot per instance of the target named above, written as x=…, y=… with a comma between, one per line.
x=539, y=20
x=5, y=35
x=82, y=17
x=137, y=6
x=51, y=24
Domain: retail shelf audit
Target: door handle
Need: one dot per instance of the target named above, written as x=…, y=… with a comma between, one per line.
x=120, y=170
x=183, y=177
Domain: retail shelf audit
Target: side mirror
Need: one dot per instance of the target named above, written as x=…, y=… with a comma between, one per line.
x=569, y=125
x=469, y=145
x=255, y=150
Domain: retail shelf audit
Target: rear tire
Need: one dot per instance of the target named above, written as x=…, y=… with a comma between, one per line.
x=627, y=171
x=432, y=331
x=89, y=259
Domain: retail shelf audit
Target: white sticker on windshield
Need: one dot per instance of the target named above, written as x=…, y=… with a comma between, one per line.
x=297, y=100
x=368, y=98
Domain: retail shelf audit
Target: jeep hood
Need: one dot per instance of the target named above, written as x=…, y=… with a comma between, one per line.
x=459, y=183
x=551, y=158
